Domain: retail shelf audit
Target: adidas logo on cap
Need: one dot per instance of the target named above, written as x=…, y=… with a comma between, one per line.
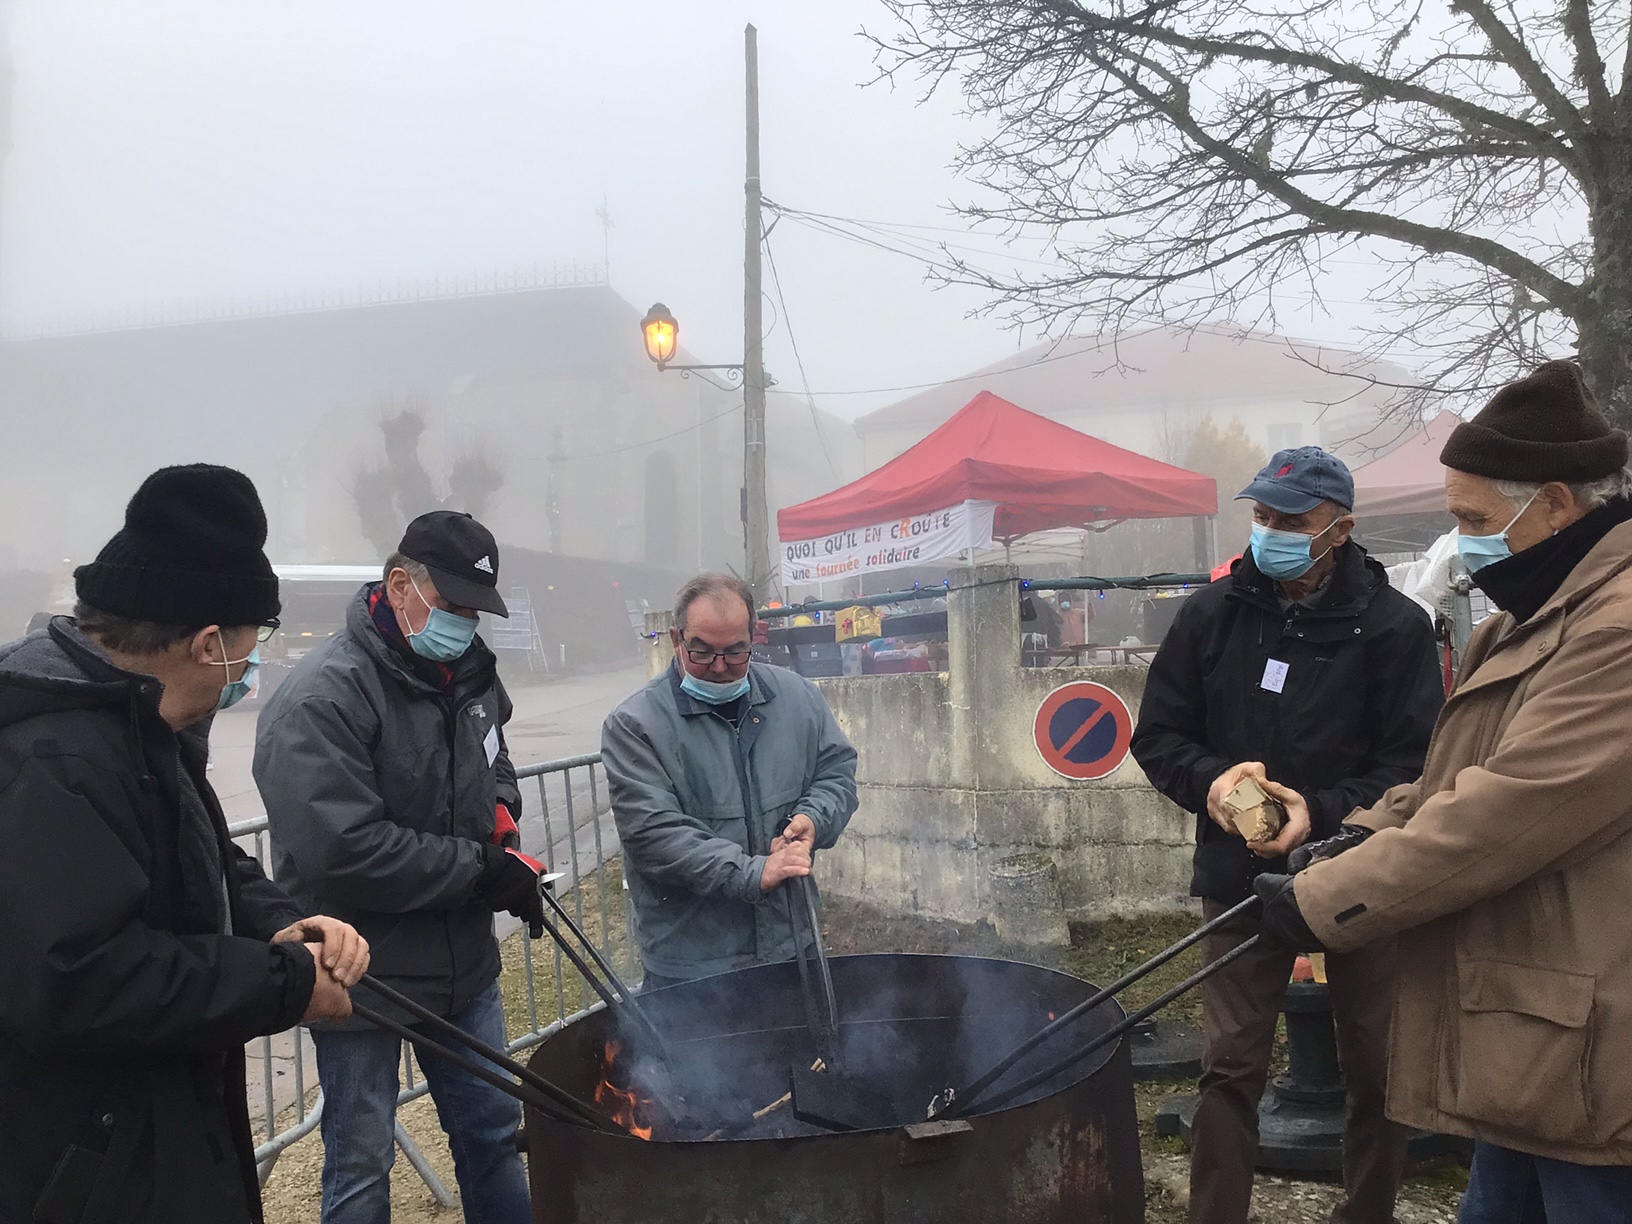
x=485, y=565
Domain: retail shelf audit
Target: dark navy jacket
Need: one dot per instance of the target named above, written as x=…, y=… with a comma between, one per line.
x=1363, y=687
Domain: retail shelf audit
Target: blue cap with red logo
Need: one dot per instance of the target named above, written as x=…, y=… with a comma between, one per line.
x=1296, y=481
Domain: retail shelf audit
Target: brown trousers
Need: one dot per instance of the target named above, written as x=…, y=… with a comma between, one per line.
x=1241, y=1004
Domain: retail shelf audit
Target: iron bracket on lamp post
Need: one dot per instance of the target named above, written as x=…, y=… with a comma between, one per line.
x=733, y=373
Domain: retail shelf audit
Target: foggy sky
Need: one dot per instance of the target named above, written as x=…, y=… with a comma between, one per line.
x=184, y=151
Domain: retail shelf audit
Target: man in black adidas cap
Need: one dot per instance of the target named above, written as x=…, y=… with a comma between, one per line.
x=139, y=948
x=391, y=796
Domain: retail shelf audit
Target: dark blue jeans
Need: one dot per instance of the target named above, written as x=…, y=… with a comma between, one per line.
x=1508, y=1187
x=358, y=1071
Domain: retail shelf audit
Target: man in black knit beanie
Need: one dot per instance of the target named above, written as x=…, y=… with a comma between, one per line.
x=139, y=947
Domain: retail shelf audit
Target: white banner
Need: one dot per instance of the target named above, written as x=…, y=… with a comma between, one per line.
x=915, y=540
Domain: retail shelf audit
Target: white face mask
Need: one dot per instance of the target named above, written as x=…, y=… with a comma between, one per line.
x=234, y=691
x=1479, y=551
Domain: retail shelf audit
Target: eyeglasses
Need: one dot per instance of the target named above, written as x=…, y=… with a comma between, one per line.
x=705, y=658
x=263, y=633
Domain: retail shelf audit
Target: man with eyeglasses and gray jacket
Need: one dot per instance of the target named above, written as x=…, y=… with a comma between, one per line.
x=726, y=777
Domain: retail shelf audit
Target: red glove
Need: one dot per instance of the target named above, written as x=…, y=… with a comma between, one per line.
x=536, y=864
x=505, y=833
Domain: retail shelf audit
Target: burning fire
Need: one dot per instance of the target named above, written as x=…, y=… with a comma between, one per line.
x=633, y=1113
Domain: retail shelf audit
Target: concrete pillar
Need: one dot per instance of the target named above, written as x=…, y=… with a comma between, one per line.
x=983, y=646
x=659, y=650
x=1026, y=905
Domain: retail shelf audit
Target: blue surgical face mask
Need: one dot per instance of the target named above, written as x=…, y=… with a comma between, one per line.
x=1284, y=555
x=714, y=692
x=234, y=691
x=445, y=636
x=1479, y=551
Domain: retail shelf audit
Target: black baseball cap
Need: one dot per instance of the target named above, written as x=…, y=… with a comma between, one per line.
x=461, y=556
x=1296, y=481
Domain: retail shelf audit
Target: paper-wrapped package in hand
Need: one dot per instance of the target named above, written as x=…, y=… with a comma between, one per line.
x=1256, y=816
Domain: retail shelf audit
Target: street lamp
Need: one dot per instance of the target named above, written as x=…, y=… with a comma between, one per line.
x=661, y=332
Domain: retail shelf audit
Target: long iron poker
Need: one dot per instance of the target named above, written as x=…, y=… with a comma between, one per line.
x=952, y=1102
x=824, y=971
x=1116, y=1031
x=824, y=1027
x=533, y=1090
x=625, y=998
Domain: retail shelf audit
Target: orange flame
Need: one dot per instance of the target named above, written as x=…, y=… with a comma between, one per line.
x=622, y=1105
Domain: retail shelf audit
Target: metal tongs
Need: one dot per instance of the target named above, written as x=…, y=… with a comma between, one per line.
x=534, y=1089
x=548, y=1098
x=619, y=999
x=957, y=1102
x=824, y=1093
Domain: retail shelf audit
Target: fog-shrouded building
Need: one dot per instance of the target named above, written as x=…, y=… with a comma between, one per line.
x=533, y=405
x=1148, y=390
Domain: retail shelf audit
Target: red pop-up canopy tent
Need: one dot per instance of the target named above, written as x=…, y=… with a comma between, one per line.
x=1030, y=472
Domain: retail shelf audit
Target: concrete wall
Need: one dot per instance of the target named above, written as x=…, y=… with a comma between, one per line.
x=951, y=782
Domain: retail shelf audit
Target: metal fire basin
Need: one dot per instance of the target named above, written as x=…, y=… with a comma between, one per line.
x=1066, y=1153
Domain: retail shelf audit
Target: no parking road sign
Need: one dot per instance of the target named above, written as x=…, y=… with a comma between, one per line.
x=1083, y=731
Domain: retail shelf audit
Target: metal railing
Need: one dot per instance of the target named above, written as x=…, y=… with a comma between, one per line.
x=566, y=821
x=940, y=590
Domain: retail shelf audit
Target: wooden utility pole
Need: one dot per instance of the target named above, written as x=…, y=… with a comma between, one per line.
x=755, y=514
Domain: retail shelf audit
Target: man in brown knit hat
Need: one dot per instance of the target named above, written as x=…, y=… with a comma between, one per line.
x=1506, y=870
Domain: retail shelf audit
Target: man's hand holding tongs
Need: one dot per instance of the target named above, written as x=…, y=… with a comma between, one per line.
x=790, y=853
x=341, y=956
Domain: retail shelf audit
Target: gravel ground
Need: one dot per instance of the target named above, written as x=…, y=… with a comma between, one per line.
x=1099, y=953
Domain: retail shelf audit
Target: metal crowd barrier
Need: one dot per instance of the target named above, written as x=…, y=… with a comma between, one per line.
x=567, y=821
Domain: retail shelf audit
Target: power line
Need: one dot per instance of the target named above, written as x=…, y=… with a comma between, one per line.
x=892, y=226
x=618, y=450
x=804, y=379
x=913, y=250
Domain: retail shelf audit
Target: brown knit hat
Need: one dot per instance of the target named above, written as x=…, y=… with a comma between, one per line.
x=1544, y=427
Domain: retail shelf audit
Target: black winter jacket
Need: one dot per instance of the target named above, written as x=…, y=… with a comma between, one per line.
x=122, y=1019
x=1361, y=692
x=380, y=791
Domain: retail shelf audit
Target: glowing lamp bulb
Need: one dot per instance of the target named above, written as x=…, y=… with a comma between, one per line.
x=661, y=332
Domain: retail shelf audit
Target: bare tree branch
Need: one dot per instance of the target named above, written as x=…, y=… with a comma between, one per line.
x=1189, y=161
x=1332, y=219
x=1510, y=46
x=1377, y=83
x=1589, y=65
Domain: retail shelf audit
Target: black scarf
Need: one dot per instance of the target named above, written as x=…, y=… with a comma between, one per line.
x=1525, y=581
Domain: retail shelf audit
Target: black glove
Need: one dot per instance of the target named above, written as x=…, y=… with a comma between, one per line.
x=1282, y=920
x=1346, y=838
x=509, y=882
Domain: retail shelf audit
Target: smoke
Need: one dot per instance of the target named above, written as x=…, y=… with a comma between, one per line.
x=910, y=1027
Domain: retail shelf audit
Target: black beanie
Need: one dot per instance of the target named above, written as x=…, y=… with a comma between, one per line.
x=1544, y=427
x=189, y=553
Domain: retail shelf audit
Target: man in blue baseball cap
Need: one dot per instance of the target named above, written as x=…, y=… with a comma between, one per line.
x=1302, y=669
